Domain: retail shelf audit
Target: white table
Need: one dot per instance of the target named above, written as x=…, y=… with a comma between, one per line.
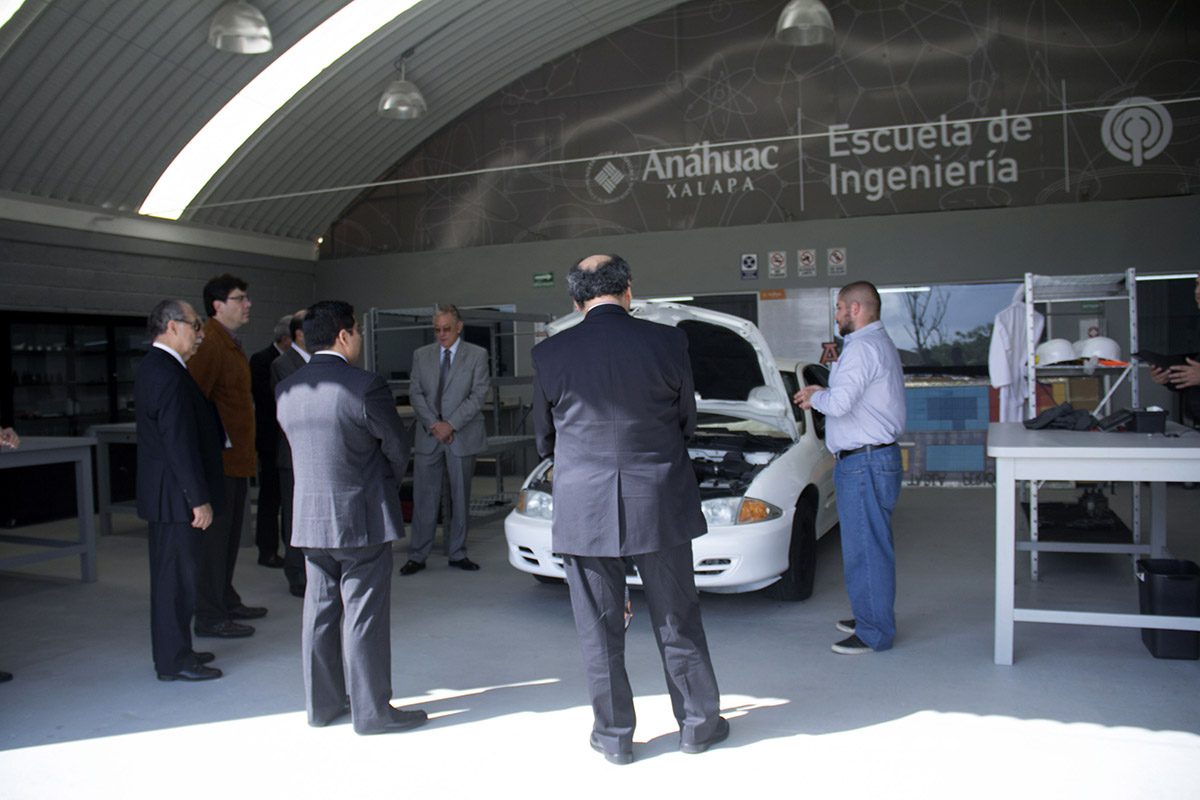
x=58, y=450
x=1023, y=455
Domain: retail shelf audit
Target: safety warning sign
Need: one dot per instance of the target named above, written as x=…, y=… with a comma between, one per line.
x=807, y=261
x=837, y=260
x=777, y=264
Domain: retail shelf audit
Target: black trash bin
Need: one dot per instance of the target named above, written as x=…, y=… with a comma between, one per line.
x=1170, y=586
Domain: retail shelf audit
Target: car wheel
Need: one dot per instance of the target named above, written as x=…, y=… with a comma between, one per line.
x=549, y=579
x=796, y=582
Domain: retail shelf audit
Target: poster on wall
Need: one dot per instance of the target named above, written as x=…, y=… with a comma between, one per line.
x=708, y=121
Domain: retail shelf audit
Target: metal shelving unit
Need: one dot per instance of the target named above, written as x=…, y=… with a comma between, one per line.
x=1051, y=289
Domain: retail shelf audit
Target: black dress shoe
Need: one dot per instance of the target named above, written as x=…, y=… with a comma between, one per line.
x=401, y=721
x=412, y=567
x=270, y=560
x=203, y=658
x=296, y=589
x=699, y=747
x=465, y=563
x=247, y=612
x=224, y=629
x=198, y=672
x=619, y=758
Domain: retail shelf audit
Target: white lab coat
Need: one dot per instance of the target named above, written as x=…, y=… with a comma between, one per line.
x=1008, y=354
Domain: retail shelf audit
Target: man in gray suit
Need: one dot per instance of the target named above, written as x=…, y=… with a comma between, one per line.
x=614, y=405
x=290, y=360
x=449, y=384
x=351, y=449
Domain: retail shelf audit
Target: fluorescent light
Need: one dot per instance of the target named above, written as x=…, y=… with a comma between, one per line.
x=217, y=141
x=1171, y=277
x=904, y=289
x=8, y=8
x=680, y=299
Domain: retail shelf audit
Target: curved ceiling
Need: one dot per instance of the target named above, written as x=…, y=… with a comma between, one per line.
x=98, y=97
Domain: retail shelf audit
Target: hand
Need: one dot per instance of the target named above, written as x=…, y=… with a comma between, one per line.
x=1184, y=376
x=442, y=431
x=9, y=438
x=803, y=398
x=202, y=516
x=1160, y=376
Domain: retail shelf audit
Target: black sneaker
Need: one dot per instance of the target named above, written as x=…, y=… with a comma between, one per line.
x=846, y=625
x=852, y=646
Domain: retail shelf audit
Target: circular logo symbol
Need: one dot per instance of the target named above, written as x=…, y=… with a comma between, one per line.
x=609, y=178
x=1136, y=129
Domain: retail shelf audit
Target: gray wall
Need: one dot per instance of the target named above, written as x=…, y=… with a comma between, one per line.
x=45, y=268
x=1159, y=235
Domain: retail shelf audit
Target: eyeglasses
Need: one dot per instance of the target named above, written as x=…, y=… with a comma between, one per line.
x=238, y=298
x=196, y=326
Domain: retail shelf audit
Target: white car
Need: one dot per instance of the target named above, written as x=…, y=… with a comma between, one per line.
x=766, y=479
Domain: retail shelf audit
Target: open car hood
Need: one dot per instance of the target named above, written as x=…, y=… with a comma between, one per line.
x=732, y=366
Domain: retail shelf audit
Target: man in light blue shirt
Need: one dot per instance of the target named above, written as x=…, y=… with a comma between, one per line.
x=864, y=410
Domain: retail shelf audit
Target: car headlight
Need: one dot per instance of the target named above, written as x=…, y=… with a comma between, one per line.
x=533, y=503
x=737, y=510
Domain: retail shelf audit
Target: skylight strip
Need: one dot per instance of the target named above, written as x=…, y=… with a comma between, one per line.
x=218, y=140
x=7, y=9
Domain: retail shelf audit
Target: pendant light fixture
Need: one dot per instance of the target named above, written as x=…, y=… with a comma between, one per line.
x=804, y=23
x=402, y=99
x=239, y=28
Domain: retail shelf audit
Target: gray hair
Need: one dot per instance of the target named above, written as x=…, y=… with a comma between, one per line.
x=447, y=308
x=612, y=277
x=282, y=328
x=163, y=313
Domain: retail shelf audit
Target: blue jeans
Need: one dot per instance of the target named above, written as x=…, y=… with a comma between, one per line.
x=868, y=485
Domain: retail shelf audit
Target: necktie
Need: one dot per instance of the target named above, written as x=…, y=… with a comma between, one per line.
x=442, y=380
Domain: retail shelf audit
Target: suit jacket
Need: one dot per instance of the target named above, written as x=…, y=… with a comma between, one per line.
x=266, y=430
x=614, y=404
x=281, y=368
x=179, y=442
x=343, y=419
x=463, y=397
x=221, y=370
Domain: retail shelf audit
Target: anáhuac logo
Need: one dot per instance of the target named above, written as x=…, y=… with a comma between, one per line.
x=1136, y=130
x=705, y=169
x=609, y=178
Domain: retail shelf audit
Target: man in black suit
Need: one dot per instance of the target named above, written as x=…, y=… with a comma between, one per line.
x=266, y=443
x=292, y=359
x=346, y=516
x=614, y=405
x=180, y=484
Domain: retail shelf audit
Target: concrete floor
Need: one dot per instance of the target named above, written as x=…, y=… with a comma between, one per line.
x=492, y=657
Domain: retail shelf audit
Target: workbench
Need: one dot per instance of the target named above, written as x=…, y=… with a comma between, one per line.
x=1035, y=455
x=35, y=450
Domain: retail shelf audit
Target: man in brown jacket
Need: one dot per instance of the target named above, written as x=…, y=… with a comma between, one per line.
x=223, y=373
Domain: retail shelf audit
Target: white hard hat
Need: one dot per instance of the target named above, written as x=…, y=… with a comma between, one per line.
x=1054, y=351
x=1100, y=347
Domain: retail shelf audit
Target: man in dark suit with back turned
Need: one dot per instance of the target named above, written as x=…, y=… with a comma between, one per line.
x=180, y=484
x=352, y=451
x=266, y=443
x=292, y=359
x=614, y=405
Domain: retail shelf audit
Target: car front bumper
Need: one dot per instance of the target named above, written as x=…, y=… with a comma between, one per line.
x=727, y=560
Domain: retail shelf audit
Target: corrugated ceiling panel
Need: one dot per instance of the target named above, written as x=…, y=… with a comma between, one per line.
x=99, y=96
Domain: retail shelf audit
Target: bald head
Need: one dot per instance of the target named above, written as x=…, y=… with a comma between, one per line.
x=597, y=277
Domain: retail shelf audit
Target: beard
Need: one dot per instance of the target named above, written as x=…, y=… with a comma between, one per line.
x=846, y=328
